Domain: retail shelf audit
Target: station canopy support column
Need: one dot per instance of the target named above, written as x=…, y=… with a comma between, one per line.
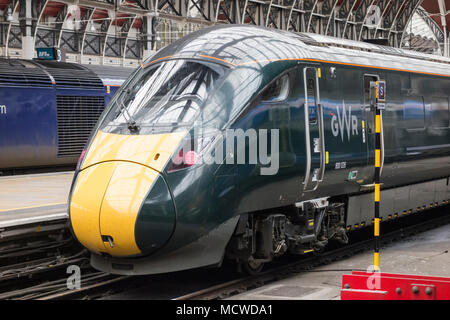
x=26, y=23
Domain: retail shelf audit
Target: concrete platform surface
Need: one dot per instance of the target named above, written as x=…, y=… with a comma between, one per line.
x=424, y=254
x=34, y=197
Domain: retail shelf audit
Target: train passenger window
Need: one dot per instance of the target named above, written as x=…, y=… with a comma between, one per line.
x=440, y=117
x=277, y=90
x=414, y=112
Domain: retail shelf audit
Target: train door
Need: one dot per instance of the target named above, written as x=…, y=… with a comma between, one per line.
x=314, y=130
x=369, y=127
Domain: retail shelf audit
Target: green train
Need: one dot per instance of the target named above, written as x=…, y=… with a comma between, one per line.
x=246, y=143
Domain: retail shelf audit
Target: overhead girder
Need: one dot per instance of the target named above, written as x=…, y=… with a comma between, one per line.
x=181, y=10
x=345, y=23
x=14, y=6
x=398, y=28
x=314, y=16
x=421, y=44
x=350, y=19
x=112, y=5
x=206, y=8
x=105, y=28
x=23, y=18
x=329, y=9
x=435, y=28
x=363, y=17
x=61, y=19
x=125, y=33
x=88, y=20
x=342, y=18
x=40, y=10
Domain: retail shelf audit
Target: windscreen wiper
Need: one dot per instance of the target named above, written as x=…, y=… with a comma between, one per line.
x=131, y=123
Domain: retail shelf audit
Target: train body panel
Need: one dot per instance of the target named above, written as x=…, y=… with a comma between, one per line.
x=28, y=116
x=309, y=100
x=411, y=155
x=48, y=111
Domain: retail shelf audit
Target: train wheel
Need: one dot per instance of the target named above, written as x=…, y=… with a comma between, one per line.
x=252, y=267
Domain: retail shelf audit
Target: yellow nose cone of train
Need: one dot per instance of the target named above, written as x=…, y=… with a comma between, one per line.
x=106, y=203
x=116, y=176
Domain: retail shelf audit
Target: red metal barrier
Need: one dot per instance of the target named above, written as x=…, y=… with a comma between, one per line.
x=387, y=286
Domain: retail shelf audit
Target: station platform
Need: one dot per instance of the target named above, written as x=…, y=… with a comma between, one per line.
x=34, y=198
x=424, y=254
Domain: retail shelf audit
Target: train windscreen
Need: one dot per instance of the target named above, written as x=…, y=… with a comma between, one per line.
x=168, y=95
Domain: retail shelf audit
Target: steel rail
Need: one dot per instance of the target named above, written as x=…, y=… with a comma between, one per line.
x=234, y=287
x=100, y=284
x=84, y=290
x=50, y=286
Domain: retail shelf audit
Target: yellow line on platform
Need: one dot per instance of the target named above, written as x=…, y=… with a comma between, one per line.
x=31, y=207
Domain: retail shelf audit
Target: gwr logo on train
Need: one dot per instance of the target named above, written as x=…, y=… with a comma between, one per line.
x=344, y=121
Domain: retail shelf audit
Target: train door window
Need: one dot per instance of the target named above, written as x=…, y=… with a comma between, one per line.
x=312, y=107
x=440, y=117
x=370, y=117
x=414, y=112
x=367, y=93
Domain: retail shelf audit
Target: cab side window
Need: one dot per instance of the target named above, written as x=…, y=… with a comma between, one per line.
x=278, y=90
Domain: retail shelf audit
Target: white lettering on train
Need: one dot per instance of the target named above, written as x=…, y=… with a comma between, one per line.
x=2, y=109
x=344, y=122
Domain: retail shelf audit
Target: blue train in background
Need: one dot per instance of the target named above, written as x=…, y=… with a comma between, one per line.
x=48, y=109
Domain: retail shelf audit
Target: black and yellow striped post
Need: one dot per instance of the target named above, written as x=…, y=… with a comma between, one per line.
x=379, y=104
x=376, y=231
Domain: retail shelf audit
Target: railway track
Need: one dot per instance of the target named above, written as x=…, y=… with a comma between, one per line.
x=228, y=289
x=35, y=254
x=57, y=289
x=98, y=285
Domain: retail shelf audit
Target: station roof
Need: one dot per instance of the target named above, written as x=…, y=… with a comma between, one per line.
x=118, y=13
x=126, y=8
x=435, y=10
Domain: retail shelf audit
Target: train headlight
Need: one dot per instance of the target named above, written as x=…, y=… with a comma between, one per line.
x=191, y=158
x=189, y=155
x=184, y=159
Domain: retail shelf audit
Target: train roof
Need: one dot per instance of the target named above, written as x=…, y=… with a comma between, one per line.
x=239, y=45
x=42, y=73
x=110, y=71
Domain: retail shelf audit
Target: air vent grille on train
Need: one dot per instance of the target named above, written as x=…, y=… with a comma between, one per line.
x=81, y=79
x=22, y=73
x=70, y=75
x=77, y=115
x=24, y=79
